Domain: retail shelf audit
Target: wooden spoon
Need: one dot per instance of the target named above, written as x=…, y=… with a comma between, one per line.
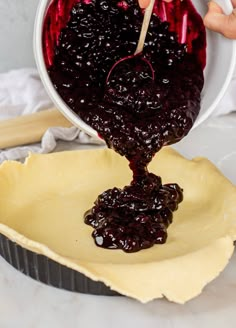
x=141, y=41
x=145, y=25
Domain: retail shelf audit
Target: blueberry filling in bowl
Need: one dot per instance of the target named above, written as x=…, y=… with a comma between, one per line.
x=220, y=61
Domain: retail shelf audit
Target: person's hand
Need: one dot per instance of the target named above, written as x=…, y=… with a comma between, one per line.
x=218, y=21
x=143, y=3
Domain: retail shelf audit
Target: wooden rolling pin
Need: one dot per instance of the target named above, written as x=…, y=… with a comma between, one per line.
x=28, y=129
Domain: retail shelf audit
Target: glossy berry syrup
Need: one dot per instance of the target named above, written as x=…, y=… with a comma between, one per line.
x=142, y=104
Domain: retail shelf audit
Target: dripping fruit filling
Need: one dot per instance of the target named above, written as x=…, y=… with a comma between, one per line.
x=137, y=105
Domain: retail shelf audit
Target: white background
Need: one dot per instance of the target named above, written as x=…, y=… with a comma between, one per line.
x=16, y=32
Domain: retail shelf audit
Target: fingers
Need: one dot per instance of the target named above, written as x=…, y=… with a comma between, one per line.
x=143, y=3
x=217, y=21
x=233, y=3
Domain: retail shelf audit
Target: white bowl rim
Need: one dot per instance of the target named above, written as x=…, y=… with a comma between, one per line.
x=65, y=109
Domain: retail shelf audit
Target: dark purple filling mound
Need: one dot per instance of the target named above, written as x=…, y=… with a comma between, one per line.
x=145, y=102
x=135, y=217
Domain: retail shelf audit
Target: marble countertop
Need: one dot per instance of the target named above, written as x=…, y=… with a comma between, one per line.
x=25, y=303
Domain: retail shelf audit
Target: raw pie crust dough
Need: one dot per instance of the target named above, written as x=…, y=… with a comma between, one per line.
x=42, y=203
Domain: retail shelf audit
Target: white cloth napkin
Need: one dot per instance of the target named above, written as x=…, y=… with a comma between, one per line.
x=21, y=92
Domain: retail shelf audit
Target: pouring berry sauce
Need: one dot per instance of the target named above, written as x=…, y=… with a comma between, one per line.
x=137, y=110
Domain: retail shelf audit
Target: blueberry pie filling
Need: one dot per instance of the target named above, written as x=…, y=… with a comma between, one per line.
x=144, y=103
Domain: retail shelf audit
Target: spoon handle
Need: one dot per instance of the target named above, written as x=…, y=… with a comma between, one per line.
x=145, y=25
